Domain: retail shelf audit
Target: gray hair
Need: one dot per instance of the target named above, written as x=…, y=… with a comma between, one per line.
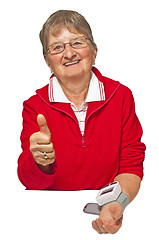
x=71, y=20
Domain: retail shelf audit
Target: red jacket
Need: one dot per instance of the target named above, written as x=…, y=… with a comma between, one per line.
x=111, y=144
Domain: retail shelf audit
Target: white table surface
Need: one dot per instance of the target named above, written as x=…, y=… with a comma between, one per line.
x=59, y=215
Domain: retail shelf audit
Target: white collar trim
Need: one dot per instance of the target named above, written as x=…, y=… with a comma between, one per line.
x=95, y=92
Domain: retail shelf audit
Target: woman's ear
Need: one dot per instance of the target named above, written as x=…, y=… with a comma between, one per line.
x=95, y=53
x=47, y=62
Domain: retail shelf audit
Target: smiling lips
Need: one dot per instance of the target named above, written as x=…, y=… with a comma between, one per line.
x=71, y=63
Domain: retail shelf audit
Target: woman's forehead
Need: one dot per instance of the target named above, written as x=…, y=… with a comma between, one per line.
x=63, y=36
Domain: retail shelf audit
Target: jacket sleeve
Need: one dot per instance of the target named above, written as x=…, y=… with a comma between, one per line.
x=28, y=172
x=132, y=150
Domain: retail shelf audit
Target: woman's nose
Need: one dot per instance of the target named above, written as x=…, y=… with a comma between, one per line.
x=69, y=52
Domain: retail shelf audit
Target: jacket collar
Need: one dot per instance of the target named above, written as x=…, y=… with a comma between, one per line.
x=110, y=88
x=95, y=92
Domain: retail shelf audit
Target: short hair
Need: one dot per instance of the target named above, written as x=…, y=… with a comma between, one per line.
x=71, y=20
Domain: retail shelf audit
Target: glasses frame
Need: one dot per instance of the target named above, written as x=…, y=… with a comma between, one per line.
x=64, y=45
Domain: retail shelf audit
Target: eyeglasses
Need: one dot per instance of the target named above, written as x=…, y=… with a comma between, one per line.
x=77, y=43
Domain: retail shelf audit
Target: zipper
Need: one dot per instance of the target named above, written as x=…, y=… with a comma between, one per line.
x=83, y=142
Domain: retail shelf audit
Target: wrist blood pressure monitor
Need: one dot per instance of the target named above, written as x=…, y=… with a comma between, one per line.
x=110, y=193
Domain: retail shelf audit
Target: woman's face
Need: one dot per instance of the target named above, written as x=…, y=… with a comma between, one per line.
x=71, y=64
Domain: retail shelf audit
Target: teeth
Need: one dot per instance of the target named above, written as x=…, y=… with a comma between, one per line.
x=68, y=64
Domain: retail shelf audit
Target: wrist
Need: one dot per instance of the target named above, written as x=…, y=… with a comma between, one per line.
x=112, y=193
x=45, y=169
x=123, y=200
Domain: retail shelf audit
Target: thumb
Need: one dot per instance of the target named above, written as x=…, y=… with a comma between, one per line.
x=43, y=124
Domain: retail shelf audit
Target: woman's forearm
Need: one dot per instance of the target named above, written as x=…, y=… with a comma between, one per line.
x=130, y=184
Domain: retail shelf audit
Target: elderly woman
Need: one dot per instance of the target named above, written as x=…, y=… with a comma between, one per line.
x=80, y=131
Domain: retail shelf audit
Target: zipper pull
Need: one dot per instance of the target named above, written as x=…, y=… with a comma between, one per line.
x=83, y=143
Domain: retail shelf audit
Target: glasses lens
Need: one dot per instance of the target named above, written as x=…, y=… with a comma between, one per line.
x=79, y=42
x=56, y=48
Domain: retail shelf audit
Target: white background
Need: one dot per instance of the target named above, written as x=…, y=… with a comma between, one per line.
x=126, y=33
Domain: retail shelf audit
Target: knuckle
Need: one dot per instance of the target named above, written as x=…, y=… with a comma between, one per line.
x=39, y=137
x=44, y=163
x=52, y=160
x=53, y=155
x=51, y=146
x=114, y=229
x=37, y=160
x=36, y=154
x=33, y=148
x=33, y=137
x=41, y=162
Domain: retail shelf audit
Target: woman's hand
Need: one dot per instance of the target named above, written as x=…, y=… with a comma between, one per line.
x=41, y=145
x=110, y=219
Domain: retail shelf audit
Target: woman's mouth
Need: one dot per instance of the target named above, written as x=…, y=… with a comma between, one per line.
x=71, y=63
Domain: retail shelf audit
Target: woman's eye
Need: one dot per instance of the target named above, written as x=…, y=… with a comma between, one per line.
x=77, y=43
x=57, y=47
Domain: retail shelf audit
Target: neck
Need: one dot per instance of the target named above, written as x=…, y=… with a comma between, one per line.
x=76, y=91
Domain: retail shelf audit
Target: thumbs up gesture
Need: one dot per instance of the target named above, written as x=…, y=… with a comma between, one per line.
x=41, y=146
